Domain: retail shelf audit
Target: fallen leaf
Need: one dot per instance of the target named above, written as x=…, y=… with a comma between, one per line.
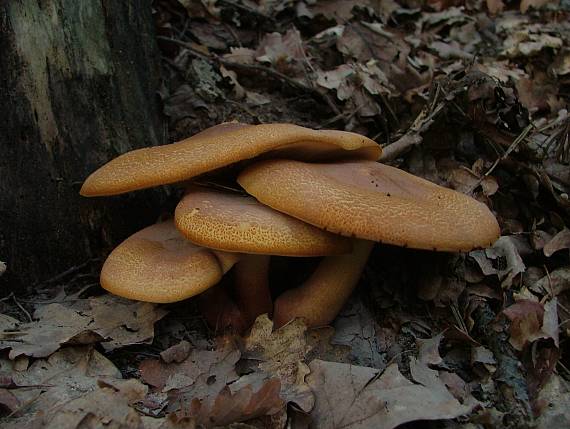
x=9, y=403
x=428, y=350
x=554, y=283
x=495, y=6
x=239, y=90
x=106, y=406
x=337, y=79
x=561, y=65
x=123, y=322
x=206, y=389
x=284, y=52
x=526, y=43
x=559, y=241
x=554, y=404
x=177, y=353
x=114, y=321
x=501, y=70
x=537, y=93
x=535, y=4
x=7, y=323
x=241, y=56
x=338, y=10
x=196, y=368
x=360, y=397
x=281, y=353
x=55, y=325
x=355, y=328
x=199, y=8
x=450, y=50
x=63, y=377
x=256, y=99
x=481, y=355
x=531, y=321
x=550, y=325
x=502, y=259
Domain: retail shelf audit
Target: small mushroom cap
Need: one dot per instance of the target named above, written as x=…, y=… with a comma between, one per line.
x=157, y=264
x=373, y=201
x=219, y=147
x=239, y=223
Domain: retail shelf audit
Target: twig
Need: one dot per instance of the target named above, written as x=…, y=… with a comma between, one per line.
x=65, y=273
x=400, y=146
x=28, y=315
x=503, y=157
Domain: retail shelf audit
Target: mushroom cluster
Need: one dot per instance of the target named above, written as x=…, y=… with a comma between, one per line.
x=305, y=193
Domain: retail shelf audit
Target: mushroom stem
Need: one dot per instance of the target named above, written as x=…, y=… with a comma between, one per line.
x=320, y=298
x=220, y=311
x=252, y=286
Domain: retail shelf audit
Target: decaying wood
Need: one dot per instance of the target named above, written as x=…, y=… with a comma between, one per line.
x=78, y=88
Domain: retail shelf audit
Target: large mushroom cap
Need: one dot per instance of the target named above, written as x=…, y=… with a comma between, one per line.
x=158, y=265
x=373, y=201
x=239, y=223
x=218, y=147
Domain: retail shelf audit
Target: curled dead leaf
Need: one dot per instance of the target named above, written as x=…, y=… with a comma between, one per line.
x=559, y=242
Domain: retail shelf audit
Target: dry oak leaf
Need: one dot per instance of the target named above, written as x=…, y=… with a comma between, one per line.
x=107, y=406
x=281, y=353
x=53, y=326
x=554, y=404
x=555, y=283
x=353, y=397
x=114, y=321
x=53, y=382
x=531, y=321
x=204, y=389
x=503, y=259
x=535, y=4
x=526, y=43
x=559, y=242
x=355, y=328
x=495, y=6
x=123, y=322
x=198, y=367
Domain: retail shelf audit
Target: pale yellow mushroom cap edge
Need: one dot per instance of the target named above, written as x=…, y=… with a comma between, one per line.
x=218, y=147
x=158, y=265
x=239, y=223
x=373, y=201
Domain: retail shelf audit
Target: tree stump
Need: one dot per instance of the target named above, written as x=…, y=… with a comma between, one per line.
x=78, y=87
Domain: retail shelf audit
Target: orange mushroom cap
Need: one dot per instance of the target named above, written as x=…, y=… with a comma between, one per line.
x=158, y=265
x=221, y=146
x=373, y=201
x=239, y=223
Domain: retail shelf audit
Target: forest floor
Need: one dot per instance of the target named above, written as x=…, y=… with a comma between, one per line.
x=470, y=95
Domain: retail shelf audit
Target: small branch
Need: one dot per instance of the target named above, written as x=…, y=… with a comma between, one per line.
x=400, y=146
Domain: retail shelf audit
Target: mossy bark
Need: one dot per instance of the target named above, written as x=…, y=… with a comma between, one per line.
x=78, y=87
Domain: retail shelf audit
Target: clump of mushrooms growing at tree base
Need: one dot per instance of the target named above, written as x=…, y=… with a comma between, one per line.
x=311, y=188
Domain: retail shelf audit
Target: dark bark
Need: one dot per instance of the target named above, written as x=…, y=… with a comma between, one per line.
x=78, y=87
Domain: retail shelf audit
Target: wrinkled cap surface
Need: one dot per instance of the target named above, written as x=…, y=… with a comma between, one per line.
x=373, y=201
x=157, y=264
x=218, y=147
x=239, y=223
